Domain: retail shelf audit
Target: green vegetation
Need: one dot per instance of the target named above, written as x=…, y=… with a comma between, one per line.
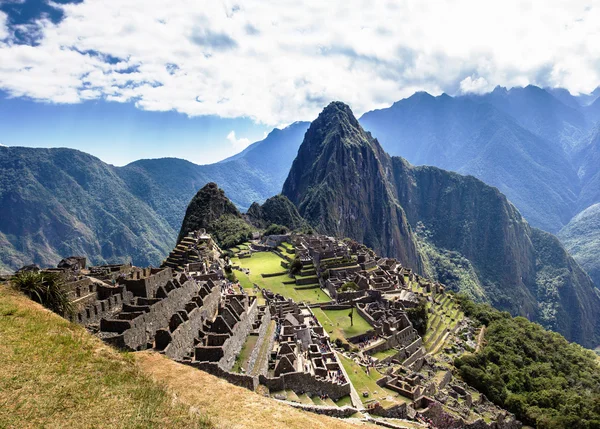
x=364, y=382
x=55, y=374
x=337, y=323
x=241, y=361
x=275, y=229
x=419, y=316
x=278, y=211
x=349, y=287
x=536, y=374
x=46, y=289
x=269, y=262
x=449, y=267
x=295, y=266
x=230, y=230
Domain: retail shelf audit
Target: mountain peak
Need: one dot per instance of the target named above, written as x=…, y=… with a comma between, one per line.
x=337, y=111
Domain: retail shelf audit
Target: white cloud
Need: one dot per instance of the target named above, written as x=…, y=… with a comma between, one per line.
x=3, y=28
x=281, y=61
x=476, y=85
x=238, y=144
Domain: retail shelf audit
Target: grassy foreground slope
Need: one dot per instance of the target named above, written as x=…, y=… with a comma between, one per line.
x=54, y=374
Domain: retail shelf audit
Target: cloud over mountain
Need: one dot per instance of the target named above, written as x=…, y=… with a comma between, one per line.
x=277, y=62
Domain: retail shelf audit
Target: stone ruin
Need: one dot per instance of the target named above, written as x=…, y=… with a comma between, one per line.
x=188, y=311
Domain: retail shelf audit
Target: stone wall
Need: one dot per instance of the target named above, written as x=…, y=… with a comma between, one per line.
x=245, y=381
x=262, y=332
x=147, y=287
x=339, y=412
x=93, y=313
x=182, y=338
x=304, y=382
x=142, y=329
x=233, y=345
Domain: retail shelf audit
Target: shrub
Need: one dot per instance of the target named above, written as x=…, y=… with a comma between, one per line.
x=295, y=266
x=45, y=288
x=275, y=229
x=349, y=287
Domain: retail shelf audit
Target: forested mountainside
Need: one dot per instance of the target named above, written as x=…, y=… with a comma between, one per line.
x=58, y=202
x=582, y=239
x=523, y=141
x=439, y=222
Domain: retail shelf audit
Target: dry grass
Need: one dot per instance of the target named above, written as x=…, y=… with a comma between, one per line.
x=233, y=407
x=54, y=374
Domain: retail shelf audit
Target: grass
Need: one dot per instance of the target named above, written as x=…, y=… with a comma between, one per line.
x=269, y=262
x=242, y=358
x=263, y=353
x=364, y=382
x=232, y=406
x=55, y=374
x=384, y=354
x=337, y=323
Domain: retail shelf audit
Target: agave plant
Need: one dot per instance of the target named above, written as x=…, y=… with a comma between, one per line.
x=45, y=288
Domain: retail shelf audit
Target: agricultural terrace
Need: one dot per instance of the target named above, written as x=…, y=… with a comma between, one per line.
x=337, y=323
x=270, y=263
x=364, y=382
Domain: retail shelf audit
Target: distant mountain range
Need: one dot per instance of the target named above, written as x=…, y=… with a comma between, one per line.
x=454, y=228
x=524, y=141
x=58, y=202
x=540, y=147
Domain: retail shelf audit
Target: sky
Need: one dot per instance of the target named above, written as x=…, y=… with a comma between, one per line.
x=202, y=79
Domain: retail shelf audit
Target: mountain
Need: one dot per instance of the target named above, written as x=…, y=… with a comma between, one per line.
x=255, y=174
x=278, y=210
x=582, y=238
x=474, y=137
x=344, y=184
x=59, y=202
x=340, y=184
x=538, y=111
x=588, y=160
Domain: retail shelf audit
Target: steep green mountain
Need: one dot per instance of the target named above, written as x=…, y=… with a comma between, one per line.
x=473, y=137
x=582, y=239
x=277, y=210
x=212, y=211
x=343, y=183
x=59, y=202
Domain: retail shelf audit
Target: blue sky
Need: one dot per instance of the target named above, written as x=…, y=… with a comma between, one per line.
x=201, y=80
x=120, y=133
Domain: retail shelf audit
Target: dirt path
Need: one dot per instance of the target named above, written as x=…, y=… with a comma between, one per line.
x=480, y=338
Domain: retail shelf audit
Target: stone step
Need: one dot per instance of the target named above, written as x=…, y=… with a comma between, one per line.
x=305, y=399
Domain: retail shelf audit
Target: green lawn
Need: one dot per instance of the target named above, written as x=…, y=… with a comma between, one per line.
x=268, y=262
x=364, y=382
x=337, y=323
x=384, y=354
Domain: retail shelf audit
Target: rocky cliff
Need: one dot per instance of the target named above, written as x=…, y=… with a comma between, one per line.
x=341, y=183
x=344, y=184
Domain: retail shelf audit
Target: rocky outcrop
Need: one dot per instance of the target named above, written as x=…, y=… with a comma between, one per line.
x=340, y=183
